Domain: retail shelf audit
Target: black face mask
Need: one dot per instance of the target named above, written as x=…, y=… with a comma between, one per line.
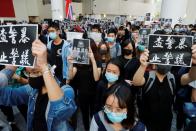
x=127, y=52
x=163, y=69
x=103, y=52
x=36, y=82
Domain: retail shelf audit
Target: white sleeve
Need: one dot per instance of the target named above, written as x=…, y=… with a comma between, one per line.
x=93, y=126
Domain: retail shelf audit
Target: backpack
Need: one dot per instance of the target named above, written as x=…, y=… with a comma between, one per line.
x=189, y=109
x=151, y=79
x=148, y=86
x=138, y=127
x=117, y=48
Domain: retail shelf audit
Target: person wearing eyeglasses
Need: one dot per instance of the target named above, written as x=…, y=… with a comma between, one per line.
x=119, y=112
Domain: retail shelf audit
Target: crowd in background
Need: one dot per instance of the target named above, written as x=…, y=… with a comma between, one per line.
x=117, y=91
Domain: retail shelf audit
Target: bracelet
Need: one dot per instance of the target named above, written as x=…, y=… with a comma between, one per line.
x=46, y=71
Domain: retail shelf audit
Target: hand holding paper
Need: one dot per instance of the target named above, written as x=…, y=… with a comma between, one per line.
x=70, y=59
x=194, y=54
x=40, y=51
x=144, y=57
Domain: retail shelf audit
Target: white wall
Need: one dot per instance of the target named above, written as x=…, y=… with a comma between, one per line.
x=191, y=12
x=106, y=7
x=87, y=7
x=25, y=8
x=32, y=7
x=121, y=7
x=21, y=11
x=44, y=10
x=136, y=8
x=77, y=8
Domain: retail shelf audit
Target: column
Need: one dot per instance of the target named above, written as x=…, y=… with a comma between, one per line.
x=174, y=9
x=58, y=9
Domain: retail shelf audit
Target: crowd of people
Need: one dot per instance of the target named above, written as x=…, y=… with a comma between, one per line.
x=117, y=91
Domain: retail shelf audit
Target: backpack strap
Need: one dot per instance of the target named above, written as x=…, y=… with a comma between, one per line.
x=139, y=127
x=100, y=125
x=150, y=81
x=117, y=48
x=127, y=63
x=171, y=81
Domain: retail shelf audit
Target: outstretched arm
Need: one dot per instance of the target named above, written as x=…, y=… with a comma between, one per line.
x=138, y=79
x=191, y=76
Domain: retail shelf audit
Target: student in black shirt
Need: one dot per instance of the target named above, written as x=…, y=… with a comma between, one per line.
x=85, y=78
x=113, y=74
x=56, y=58
x=128, y=60
x=55, y=51
x=104, y=51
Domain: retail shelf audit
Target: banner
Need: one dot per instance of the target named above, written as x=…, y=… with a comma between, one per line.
x=16, y=43
x=170, y=50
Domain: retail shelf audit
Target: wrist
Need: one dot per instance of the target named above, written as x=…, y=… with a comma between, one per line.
x=45, y=68
x=93, y=60
x=143, y=65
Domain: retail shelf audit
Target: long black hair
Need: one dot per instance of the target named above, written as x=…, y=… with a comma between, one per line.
x=125, y=43
x=116, y=63
x=125, y=100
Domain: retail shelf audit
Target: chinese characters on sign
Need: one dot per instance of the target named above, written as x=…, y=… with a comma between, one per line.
x=15, y=44
x=170, y=50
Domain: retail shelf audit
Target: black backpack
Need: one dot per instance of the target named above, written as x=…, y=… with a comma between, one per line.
x=148, y=86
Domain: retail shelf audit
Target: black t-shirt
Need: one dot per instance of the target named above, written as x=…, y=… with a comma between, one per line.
x=84, y=79
x=130, y=66
x=158, y=101
x=39, y=121
x=102, y=88
x=56, y=59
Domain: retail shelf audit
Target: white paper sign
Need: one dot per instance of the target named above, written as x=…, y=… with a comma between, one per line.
x=73, y=35
x=95, y=36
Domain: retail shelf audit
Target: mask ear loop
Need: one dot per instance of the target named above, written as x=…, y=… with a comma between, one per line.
x=116, y=90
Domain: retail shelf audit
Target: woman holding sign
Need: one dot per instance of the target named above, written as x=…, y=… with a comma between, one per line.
x=85, y=78
x=158, y=90
x=49, y=106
